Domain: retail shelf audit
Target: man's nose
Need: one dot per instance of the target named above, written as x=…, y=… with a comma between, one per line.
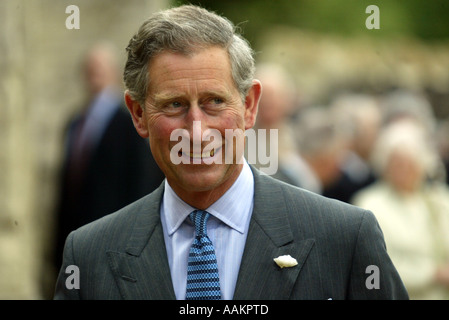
x=196, y=122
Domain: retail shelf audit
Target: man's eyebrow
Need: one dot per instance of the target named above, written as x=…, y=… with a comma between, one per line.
x=166, y=96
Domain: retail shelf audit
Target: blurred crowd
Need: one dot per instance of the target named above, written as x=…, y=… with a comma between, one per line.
x=387, y=153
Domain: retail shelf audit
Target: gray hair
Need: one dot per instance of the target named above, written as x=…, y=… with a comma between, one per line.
x=185, y=29
x=410, y=138
x=316, y=131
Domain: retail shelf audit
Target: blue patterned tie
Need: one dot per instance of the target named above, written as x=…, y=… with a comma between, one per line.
x=202, y=271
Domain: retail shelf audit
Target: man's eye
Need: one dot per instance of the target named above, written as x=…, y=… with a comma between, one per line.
x=175, y=104
x=218, y=101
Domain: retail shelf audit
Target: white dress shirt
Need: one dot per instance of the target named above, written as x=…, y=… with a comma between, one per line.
x=227, y=228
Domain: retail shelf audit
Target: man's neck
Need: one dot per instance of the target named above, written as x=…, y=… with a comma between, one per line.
x=204, y=199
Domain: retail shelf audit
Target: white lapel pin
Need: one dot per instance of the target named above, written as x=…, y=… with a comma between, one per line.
x=285, y=261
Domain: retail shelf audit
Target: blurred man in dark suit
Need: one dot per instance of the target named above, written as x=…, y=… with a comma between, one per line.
x=106, y=164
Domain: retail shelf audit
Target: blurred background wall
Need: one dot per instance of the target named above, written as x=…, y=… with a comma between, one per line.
x=41, y=86
x=325, y=45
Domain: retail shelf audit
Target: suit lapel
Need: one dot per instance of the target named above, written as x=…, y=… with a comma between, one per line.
x=139, y=273
x=269, y=236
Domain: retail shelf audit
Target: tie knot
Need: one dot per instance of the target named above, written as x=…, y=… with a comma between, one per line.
x=199, y=219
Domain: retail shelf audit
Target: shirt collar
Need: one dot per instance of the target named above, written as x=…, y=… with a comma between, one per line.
x=233, y=208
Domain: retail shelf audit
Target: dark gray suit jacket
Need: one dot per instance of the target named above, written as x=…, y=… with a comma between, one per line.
x=123, y=255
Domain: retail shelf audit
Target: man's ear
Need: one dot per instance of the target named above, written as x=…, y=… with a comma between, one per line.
x=137, y=114
x=252, y=104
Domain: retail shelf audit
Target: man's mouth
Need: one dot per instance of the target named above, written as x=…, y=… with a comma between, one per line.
x=200, y=156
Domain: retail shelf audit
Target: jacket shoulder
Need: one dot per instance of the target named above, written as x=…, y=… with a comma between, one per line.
x=301, y=201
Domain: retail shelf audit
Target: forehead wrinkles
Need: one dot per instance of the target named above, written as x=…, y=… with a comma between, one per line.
x=186, y=86
x=210, y=65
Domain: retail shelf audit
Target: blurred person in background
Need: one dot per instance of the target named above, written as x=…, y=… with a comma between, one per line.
x=106, y=164
x=358, y=116
x=412, y=210
x=276, y=107
x=321, y=146
x=404, y=104
x=443, y=145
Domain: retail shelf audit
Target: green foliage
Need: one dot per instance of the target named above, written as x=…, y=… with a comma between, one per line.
x=425, y=19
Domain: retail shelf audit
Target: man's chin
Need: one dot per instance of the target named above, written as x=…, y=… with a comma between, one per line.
x=201, y=178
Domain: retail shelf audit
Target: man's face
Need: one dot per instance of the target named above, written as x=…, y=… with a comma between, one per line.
x=184, y=89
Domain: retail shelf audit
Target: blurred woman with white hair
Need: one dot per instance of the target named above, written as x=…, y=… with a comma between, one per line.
x=412, y=208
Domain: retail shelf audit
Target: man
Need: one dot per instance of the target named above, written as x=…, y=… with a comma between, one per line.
x=186, y=66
